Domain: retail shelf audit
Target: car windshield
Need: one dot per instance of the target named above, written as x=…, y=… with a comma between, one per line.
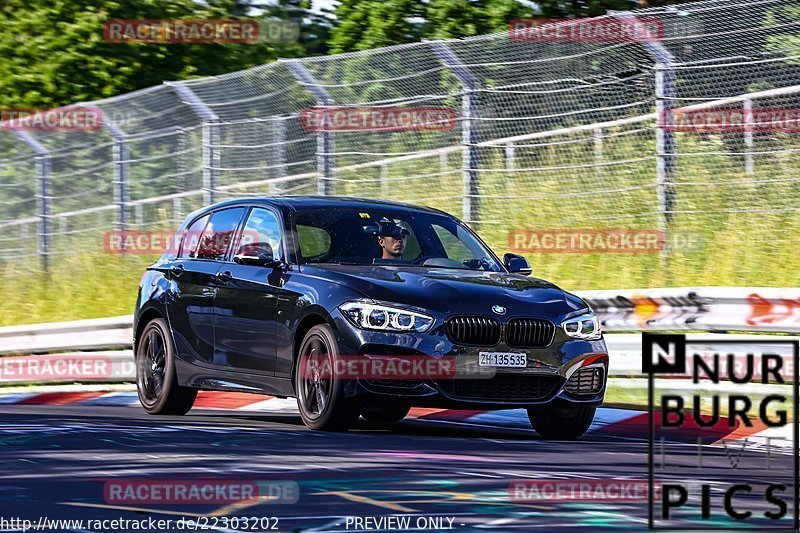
x=373, y=236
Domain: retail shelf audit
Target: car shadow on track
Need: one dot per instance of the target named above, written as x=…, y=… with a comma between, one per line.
x=409, y=427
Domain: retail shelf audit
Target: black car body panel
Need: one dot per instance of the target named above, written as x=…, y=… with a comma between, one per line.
x=237, y=326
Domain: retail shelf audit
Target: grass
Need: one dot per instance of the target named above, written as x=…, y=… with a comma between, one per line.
x=78, y=286
x=729, y=229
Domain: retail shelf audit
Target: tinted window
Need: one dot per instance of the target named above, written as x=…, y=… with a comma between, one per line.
x=191, y=237
x=314, y=242
x=261, y=231
x=455, y=248
x=218, y=234
x=350, y=235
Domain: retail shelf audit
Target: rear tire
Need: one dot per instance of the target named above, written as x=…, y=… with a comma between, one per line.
x=385, y=413
x=561, y=422
x=320, y=397
x=156, y=379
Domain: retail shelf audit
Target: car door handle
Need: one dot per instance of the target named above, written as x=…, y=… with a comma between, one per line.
x=224, y=277
x=177, y=270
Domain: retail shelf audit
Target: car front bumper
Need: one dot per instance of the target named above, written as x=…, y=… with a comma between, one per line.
x=567, y=370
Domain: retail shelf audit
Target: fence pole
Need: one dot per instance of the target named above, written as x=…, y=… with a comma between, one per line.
x=444, y=162
x=278, y=152
x=183, y=168
x=509, y=156
x=119, y=156
x=211, y=156
x=139, y=214
x=665, y=147
x=749, y=165
x=469, y=131
x=598, y=155
x=42, y=163
x=121, y=196
x=325, y=139
x=666, y=93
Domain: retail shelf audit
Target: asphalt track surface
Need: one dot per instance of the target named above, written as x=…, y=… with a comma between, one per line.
x=57, y=459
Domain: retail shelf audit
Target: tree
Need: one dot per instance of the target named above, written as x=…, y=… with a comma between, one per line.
x=54, y=52
x=365, y=24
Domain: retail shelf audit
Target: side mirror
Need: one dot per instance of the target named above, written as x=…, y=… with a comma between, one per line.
x=516, y=264
x=256, y=254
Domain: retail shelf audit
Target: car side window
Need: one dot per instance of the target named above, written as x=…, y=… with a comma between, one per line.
x=191, y=237
x=314, y=242
x=218, y=234
x=262, y=228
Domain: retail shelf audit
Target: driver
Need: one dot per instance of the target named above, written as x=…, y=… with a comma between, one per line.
x=392, y=239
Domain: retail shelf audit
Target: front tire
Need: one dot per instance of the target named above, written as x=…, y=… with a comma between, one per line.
x=320, y=395
x=156, y=379
x=561, y=422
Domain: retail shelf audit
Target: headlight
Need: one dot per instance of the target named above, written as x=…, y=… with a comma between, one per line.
x=385, y=318
x=585, y=326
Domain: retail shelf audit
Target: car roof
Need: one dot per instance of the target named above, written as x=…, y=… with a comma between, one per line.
x=312, y=202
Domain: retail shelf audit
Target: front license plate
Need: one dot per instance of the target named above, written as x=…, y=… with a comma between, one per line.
x=501, y=359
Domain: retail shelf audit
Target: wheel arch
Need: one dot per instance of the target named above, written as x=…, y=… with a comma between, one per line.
x=313, y=317
x=145, y=317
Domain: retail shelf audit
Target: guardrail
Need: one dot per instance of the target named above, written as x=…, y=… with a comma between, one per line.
x=708, y=309
x=712, y=309
x=93, y=334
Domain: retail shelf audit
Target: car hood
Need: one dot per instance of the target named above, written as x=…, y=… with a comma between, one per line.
x=453, y=291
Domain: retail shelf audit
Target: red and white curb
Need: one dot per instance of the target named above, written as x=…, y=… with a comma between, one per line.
x=622, y=423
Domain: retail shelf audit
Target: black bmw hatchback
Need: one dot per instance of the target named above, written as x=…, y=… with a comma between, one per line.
x=361, y=308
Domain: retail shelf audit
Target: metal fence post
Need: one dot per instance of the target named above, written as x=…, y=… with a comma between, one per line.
x=120, y=158
x=121, y=195
x=325, y=139
x=510, y=155
x=182, y=167
x=666, y=93
x=42, y=163
x=211, y=155
x=749, y=165
x=469, y=131
x=598, y=154
x=277, y=133
x=139, y=214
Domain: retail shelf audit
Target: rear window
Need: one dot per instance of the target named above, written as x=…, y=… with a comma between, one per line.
x=191, y=237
